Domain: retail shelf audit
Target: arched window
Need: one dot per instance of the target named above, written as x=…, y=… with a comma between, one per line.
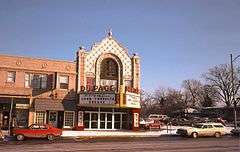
x=109, y=69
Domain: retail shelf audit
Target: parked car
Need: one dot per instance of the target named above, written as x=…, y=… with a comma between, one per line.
x=158, y=117
x=180, y=122
x=37, y=131
x=142, y=123
x=235, y=132
x=153, y=124
x=203, y=129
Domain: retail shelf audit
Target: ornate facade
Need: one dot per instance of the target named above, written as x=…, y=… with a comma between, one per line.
x=100, y=91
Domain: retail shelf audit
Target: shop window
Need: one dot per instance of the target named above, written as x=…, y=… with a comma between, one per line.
x=35, y=81
x=68, y=119
x=21, y=119
x=40, y=117
x=63, y=82
x=11, y=75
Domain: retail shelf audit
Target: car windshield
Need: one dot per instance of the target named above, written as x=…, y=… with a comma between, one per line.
x=198, y=126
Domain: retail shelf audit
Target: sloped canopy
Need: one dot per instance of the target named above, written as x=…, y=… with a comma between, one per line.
x=53, y=104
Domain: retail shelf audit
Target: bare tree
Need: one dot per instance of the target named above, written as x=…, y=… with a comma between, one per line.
x=219, y=78
x=168, y=100
x=193, y=92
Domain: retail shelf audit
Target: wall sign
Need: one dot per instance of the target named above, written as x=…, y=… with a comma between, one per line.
x=97, y=98
x=80, y=118
x=22, y=106
x=132, y=100
x=135, y=120
x=100, y=88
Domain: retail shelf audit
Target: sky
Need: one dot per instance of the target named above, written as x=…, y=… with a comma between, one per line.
x=176, y=39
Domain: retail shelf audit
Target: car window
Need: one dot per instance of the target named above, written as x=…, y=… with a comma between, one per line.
x=205, y=126
x=35, y=127
x=43, y=127
x=210, y=126
x=197, y=126
x=218, y=126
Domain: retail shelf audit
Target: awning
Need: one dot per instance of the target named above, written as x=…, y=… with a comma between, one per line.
x=55, y=105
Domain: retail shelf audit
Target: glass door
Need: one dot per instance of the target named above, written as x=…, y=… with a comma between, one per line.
x=94, y=120
x=109, y=120
x=117, y=121
x=102, y=120
x=53, y=118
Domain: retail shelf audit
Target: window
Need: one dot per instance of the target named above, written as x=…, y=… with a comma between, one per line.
x=11, y=76
x=68, y=119
x=210, y=126
x=63, y=82
x=40, y=117
x=109, y=69
x=36, y=81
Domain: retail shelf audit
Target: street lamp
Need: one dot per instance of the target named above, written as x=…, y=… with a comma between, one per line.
x=234, y=101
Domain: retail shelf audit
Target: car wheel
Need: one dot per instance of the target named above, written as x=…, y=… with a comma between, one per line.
x=194, y=135
x=217, y=135
x=20, y=137
x=50, y=137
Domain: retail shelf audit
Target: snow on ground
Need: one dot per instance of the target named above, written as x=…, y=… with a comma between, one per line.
x=150, y=133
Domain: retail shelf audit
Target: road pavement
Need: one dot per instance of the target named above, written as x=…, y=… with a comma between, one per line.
x=123, y=144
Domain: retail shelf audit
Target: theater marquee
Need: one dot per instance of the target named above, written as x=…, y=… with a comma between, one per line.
x=97, y=98
x=132, y=100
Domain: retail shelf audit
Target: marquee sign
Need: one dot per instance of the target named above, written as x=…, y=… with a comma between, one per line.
x=88, y=88
x=132, y=100
x=97, y=98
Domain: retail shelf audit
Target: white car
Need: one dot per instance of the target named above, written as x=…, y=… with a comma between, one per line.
x=203, y=129
x=157, y=117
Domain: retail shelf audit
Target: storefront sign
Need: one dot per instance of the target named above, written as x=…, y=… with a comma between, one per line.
x=132, y=90
x=97, y=98
x=100, y=88
x=136, y=120
x=132, y=100
x=22, y=106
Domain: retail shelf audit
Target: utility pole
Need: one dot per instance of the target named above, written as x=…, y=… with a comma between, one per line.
x=233, y=92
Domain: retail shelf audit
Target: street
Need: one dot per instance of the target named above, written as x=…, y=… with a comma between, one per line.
x=123, y=144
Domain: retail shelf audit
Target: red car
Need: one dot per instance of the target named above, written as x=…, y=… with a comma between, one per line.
x=37, y=131
x=153, y=124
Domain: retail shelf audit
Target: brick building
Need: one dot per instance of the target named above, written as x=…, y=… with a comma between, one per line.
x=39, y=90
x=99, y=91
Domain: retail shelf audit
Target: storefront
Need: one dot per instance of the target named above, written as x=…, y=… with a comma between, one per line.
x=14, y=112
x=60, y=114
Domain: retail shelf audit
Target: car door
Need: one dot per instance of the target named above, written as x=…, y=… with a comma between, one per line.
x=203, y=131
x=33, y=131
x=211, y=131
x=42, y=131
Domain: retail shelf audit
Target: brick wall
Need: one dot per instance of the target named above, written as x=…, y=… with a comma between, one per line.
x=21, y=65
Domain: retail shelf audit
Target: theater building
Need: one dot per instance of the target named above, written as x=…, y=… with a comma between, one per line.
x=97, y=91
x=108, y=87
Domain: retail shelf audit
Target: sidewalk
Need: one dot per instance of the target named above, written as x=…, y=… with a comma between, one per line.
x=121, y=133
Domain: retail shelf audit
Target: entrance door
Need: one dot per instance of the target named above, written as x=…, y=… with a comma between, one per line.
x=53, y=118
x=5, y=120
